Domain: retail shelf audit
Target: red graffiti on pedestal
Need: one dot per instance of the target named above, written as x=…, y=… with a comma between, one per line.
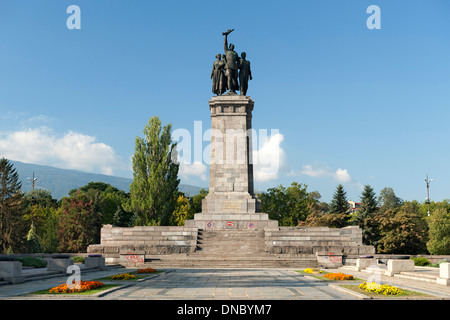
x=134, y=258
x=333, y=258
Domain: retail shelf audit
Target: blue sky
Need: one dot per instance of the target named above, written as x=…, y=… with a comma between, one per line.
x=352, y=105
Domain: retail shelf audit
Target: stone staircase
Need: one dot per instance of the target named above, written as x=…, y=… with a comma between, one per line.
x=232, y=249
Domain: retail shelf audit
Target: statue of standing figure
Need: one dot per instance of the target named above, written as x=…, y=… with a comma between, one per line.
x=244, y=74
x=235, y=68
x=219, y=83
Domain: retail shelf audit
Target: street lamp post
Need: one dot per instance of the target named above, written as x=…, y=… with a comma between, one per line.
x=428, y=193
x=32, y=188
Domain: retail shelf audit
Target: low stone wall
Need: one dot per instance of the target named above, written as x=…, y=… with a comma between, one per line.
x=151, y=240
x=311, y=240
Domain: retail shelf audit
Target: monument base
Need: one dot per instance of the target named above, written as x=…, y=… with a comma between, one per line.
x=225, y=221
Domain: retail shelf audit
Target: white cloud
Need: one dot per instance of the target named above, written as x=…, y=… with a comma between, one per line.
x=70, y=151
x=197, y=169
x=270, y=159
x=321, y=170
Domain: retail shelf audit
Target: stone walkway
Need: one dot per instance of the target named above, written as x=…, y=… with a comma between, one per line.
x=219, y=284
x=199, y=284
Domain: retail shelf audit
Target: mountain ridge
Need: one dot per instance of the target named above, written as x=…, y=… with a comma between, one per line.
x=60, y=181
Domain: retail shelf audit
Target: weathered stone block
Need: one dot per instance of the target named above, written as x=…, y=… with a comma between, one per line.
x=329, y=259
x=59, y=265
x=444, y=274
x=94, y=262
x=11, y=271
x=397, y=266
x=365, y=263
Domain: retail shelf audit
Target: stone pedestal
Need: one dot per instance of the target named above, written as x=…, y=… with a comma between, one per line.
x=444, y=274
x=331, y=260
x=398, y=266
x=231, y=202
x=94, y=262
x=60, y=265
x=11, y=271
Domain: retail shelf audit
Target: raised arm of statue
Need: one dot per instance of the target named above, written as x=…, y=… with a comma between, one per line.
x=225, y=42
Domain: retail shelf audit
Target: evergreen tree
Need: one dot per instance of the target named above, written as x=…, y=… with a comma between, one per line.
x=12, y=230
x=339, y=203
x=154, y=190
x=367, y=209
x=33, y=243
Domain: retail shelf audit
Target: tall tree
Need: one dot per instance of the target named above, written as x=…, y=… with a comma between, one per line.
x=339, y=203
x=11, y=208
x=154, y=190
x=367, y=209
x=388, y=200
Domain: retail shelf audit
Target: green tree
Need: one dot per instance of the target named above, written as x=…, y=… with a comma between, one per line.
x=387, y=199
x=181, y=212
x=33, y=242
x=154, y=190
x=401, y=230
x=367, y=209
x=12, y=227
x=287, y=205
x=339, y=203
x=439, y=231
x=195, y=202
x=108, y=200
x=40, y=197
x=79, y=223
x=45, y=221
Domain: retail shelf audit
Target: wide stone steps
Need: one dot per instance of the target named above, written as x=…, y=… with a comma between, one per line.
x=231, y=249
x=238, y=261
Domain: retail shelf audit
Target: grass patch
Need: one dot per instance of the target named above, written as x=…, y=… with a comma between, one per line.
x=89, y=292
x=406, y=293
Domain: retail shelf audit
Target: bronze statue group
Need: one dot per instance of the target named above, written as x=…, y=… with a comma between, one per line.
x=228, y=68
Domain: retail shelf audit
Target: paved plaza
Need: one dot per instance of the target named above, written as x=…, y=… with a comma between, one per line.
x=217, y=284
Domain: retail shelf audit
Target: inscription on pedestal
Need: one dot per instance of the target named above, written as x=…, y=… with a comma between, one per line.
x=231, y=206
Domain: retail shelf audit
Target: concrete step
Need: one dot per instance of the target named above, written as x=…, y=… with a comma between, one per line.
x=202, y=260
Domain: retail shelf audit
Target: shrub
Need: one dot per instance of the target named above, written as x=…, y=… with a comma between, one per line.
x=420, y=261
x=78, y=259
x=338, y=276
x=32, y=262
x=380, y=289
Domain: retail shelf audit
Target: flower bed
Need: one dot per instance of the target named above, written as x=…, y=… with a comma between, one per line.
x=309, y=270
x=84, y=286
x=122, y=276
x=338, y=276
x=146, y=270
x=380, y=289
